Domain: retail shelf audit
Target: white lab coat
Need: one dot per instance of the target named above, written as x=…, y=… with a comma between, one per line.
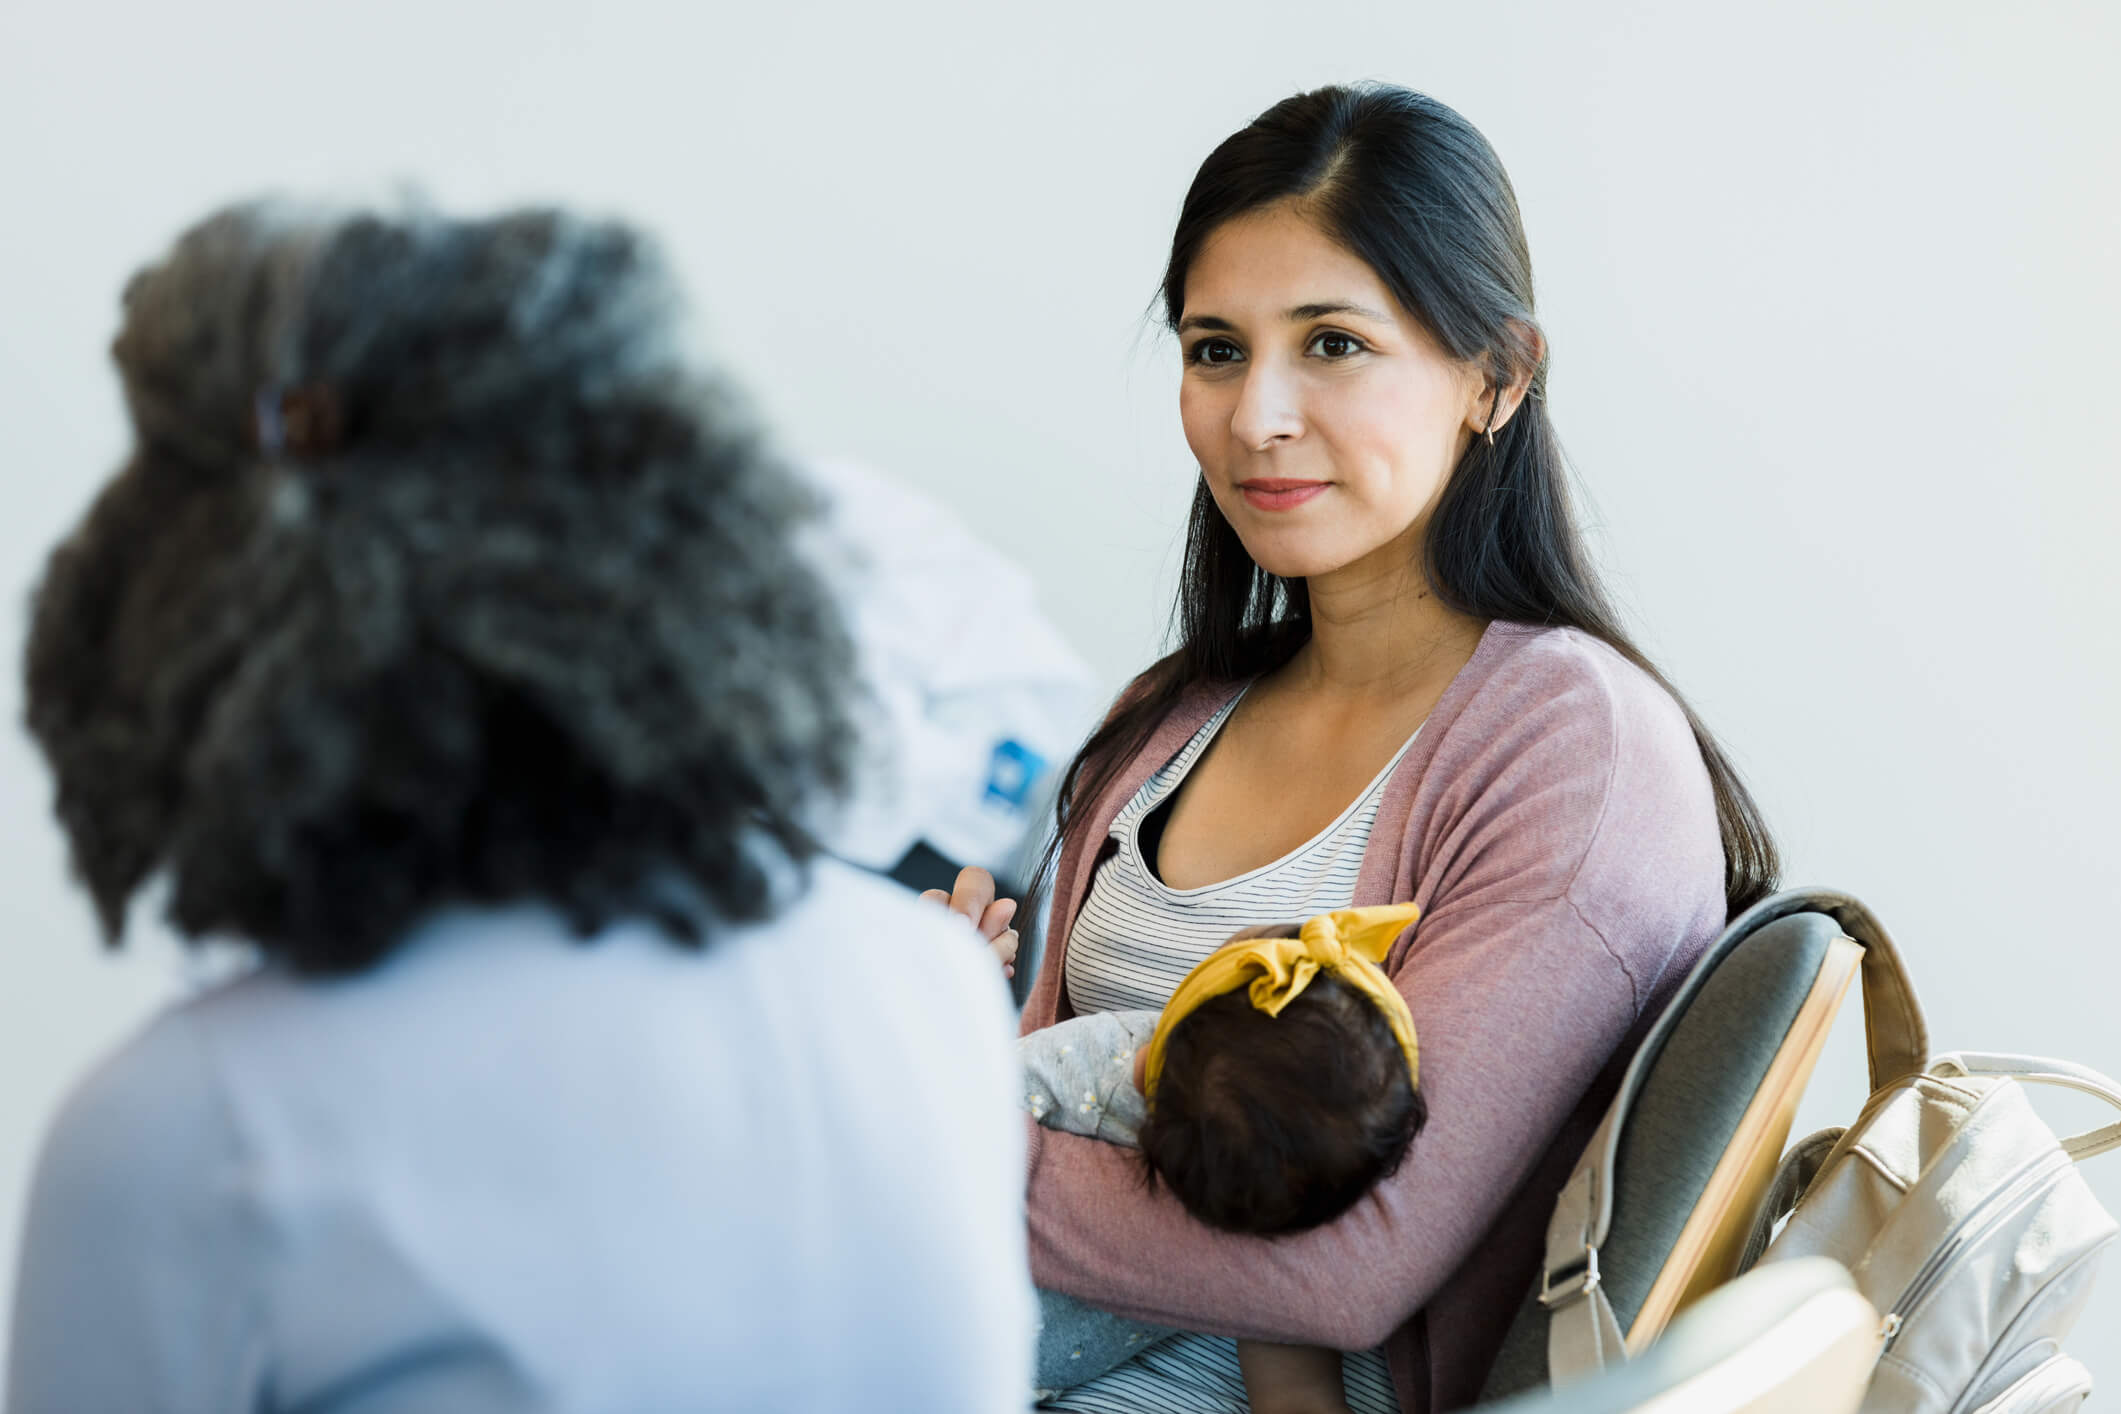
x=973, y=701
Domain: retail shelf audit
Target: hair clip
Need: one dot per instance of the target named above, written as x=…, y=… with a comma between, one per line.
x=304, y=422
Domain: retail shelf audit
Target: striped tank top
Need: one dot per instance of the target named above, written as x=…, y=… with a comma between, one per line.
x=1133, y=942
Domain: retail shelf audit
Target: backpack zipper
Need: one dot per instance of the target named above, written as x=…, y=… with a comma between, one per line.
x=1968, y=1232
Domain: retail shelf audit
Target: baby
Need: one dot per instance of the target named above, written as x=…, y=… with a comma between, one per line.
x=1277, y=1086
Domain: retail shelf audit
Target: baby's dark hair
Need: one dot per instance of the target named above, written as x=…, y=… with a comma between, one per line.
x=1273, y=1124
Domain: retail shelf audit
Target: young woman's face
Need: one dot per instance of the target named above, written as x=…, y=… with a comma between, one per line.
x=1324, y=419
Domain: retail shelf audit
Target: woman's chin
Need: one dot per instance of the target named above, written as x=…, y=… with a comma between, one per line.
x=1295, y=561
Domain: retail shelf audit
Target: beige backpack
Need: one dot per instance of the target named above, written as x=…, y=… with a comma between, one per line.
x=1959, y=1214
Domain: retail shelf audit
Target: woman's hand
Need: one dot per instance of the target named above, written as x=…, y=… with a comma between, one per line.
x=1291, y=1379
x=974, y=898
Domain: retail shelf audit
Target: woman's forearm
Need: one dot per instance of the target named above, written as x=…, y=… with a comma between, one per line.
x=1550, y=997
x=1098, y=1233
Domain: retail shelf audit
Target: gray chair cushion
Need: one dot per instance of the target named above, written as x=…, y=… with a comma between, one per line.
x=1712, y=1049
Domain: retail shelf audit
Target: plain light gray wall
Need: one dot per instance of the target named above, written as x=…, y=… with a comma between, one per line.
x=1831, y=290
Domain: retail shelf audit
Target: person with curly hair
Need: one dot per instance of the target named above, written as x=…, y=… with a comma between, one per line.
x=446, y=638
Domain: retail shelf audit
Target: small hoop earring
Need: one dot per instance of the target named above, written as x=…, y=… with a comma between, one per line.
x=1489, y=433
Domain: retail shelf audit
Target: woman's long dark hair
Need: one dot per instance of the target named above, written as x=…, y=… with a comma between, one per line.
x=1414, y=190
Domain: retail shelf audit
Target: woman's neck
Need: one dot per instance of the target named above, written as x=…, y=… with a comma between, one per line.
x=1379, y=633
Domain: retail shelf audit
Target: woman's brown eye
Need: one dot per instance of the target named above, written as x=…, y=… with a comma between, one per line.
x=1336, y=345
x=1217, y=351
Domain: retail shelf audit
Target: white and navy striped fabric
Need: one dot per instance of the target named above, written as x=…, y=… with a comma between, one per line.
x=1133, y=943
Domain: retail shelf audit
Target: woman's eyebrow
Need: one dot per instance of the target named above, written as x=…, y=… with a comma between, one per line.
x=1206, y=321
x=1295, y=316
x=1320, y=311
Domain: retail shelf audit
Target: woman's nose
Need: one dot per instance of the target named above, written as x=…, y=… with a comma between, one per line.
x=1266, y=411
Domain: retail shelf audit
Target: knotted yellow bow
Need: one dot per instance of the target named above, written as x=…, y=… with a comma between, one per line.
x=1349, y=943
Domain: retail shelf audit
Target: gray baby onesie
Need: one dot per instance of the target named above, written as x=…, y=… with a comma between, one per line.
x=1079, y=1078
x=1079, y=1075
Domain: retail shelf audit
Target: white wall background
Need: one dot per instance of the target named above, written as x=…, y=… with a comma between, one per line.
x=1832, y=290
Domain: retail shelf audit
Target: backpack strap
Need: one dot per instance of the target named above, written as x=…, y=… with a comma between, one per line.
x=2038, y=1070
x=1894, y=1032
x=1583, y=1334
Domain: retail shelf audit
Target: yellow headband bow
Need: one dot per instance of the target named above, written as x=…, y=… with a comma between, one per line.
x=1349, y=943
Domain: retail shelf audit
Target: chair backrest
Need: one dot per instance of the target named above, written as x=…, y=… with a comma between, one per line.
x=1794, y=1337
x=1658, y=1210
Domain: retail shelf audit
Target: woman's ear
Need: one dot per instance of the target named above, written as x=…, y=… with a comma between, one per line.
x=1510, y=378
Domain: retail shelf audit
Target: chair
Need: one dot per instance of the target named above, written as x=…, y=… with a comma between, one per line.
x=1659, y=1209
x=1794, y=1336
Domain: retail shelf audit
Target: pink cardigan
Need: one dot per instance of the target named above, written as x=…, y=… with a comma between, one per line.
x=1555, y=823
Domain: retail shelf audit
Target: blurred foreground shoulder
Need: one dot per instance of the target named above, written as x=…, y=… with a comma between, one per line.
x=136, y=1286
x=857, y=911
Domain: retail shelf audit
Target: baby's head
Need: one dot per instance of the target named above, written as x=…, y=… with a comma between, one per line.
x=1270, y=1124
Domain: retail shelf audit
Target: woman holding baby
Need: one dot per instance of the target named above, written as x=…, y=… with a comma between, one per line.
x=1398, y=681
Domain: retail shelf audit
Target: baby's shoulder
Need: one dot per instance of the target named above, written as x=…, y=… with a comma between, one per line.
x=1095, y=1032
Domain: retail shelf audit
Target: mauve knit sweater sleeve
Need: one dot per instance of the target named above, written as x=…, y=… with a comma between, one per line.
x=1555, y=823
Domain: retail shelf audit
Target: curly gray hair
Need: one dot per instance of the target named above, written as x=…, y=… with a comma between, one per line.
x=435, y=575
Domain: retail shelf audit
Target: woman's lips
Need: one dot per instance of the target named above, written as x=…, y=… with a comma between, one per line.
x=1276, y=494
